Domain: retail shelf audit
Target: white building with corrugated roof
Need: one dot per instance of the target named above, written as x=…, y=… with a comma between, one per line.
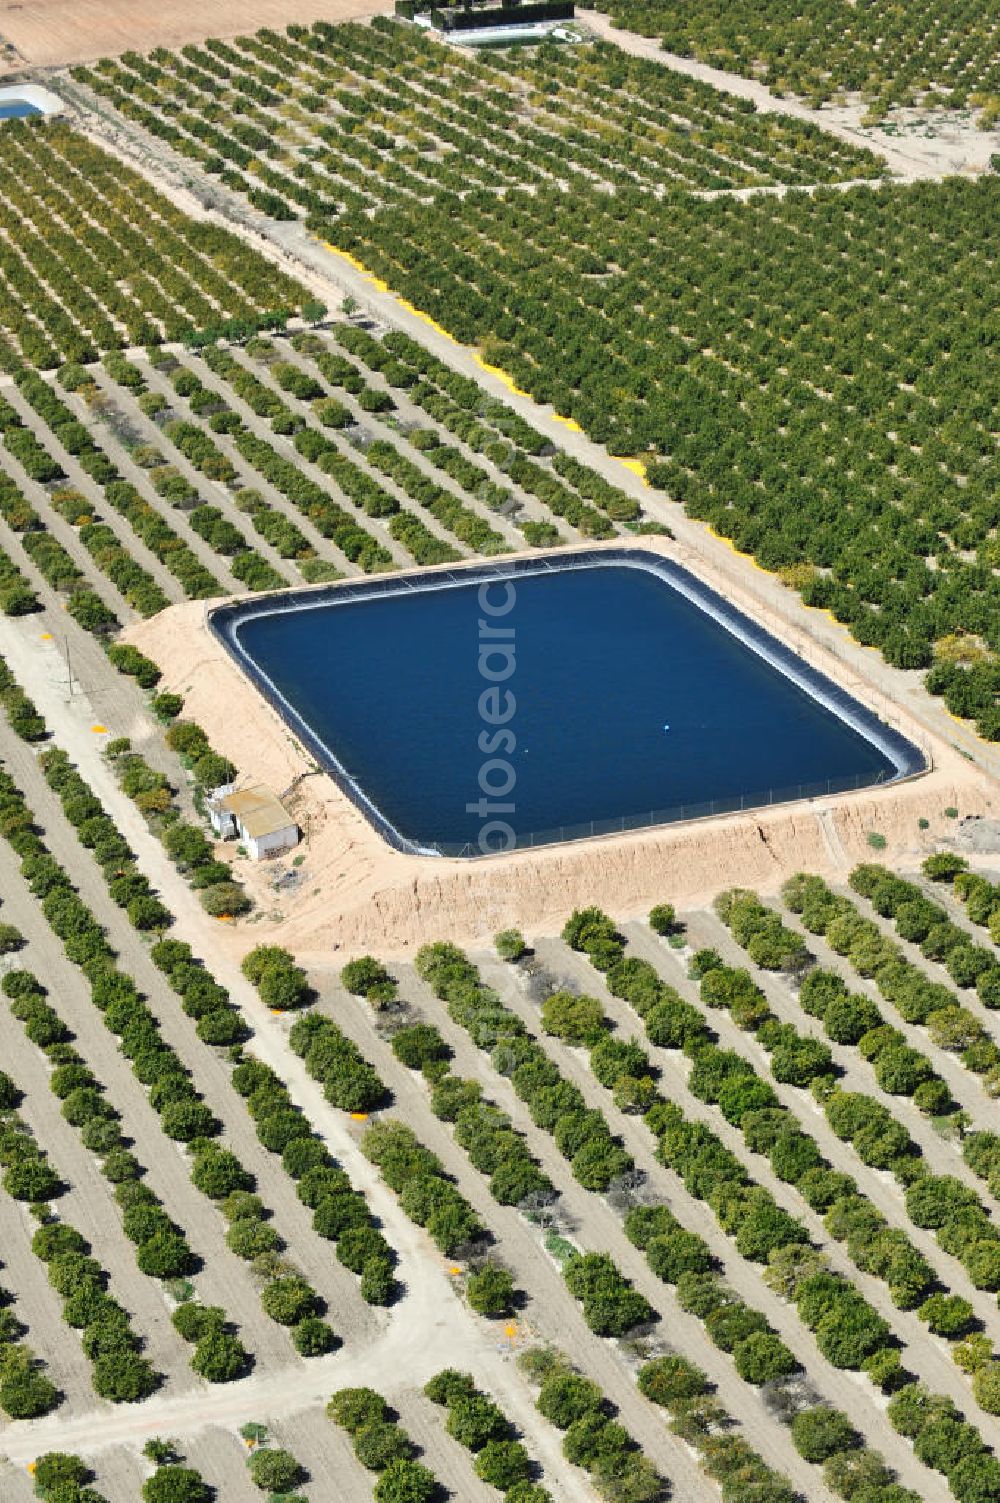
x=256, y=817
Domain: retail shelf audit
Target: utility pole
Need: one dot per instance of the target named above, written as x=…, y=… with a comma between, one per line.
x=69, y=667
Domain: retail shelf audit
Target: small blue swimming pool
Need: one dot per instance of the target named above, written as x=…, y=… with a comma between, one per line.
x=17, y=109
x=607, y=692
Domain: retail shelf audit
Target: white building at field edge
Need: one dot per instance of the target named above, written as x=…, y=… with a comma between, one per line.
x=256, y=817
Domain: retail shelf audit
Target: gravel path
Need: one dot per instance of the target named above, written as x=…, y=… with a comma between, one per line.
x=451, y=1463
x=39, y=1308
x=221, y=1457
x=16, y=1483
x=326, y=1451
x=120, y=1473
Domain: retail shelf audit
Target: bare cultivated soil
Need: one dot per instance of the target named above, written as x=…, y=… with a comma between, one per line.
x=53, y=33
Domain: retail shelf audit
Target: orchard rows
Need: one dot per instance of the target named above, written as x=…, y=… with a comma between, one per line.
x=931, y=54
x=329, y=118
x=613, y=1137
x=92, y=257
x=143, y=481
x=703, y=1206
x=780, y=365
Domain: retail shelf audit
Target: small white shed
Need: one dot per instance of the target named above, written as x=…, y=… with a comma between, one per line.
x=255, y=816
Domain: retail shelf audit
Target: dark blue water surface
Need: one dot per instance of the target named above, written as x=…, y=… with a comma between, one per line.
x=630, y=700
x=17, y=109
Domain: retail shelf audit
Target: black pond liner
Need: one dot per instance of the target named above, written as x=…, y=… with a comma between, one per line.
x=906, y=758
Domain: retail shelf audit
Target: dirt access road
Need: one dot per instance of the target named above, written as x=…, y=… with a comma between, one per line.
x=54, y=33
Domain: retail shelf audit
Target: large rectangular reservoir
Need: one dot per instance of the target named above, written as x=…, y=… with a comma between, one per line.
x=521, y=703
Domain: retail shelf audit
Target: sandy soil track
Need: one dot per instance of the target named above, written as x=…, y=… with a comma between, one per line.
x=52, y=33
